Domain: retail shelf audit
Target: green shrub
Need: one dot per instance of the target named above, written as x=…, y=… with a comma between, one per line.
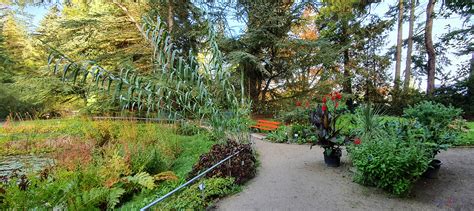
x=389, y=163
x=432, y=115
x=279, y=136
x=193, y=198
x=301, y=134
x=436, y=118
x=298, y=115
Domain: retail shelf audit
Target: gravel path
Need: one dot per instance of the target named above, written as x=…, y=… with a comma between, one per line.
x=293, y=177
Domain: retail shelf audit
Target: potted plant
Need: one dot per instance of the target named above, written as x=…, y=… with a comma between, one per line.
x=324, y=118
x=436, y=119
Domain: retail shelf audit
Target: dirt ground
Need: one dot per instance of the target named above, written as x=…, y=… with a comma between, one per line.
x=294, y=177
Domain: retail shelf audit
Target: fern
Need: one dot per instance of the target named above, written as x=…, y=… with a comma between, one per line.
x=92, y=198
x=113, y=197
x=142, y=178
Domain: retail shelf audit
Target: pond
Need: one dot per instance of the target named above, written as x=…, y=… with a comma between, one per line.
x=23, y=163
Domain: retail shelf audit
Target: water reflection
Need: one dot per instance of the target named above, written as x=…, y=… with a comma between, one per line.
x=23, y=163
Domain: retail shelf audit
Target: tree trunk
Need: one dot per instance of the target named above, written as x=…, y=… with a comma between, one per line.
x=410, y=47
x=398, y=56
x=347, y=85
x=253, y=82
x=170, y=16
x=431, y=67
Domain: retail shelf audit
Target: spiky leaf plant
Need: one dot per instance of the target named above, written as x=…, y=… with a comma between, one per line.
x=181, y=87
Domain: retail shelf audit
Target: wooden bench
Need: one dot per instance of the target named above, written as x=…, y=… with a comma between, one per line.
x=266, y=125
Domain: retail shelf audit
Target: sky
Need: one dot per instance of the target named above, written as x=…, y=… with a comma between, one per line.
x=440, y=27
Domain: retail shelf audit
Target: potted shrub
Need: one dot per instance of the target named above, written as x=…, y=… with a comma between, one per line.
x=435, y=118
x=324, y=118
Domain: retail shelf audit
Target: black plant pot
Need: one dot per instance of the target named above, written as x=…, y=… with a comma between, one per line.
x=433, y=169
x=333, y=160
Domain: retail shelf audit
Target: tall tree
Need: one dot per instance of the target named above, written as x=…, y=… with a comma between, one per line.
x=398, y=56
x=410, y=46
x=258, y=52
x=344, y=23
x=18, y=45
x=431, y=67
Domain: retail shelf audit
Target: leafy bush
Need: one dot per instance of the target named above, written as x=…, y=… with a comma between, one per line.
x=280, y=135
x=432, y=115
x=389, y=163
x=193, y=198
x=436, y=118
x=242, y=166
x=297, y=115
x=302, y=134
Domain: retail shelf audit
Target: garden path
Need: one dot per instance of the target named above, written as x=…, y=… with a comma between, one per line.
x=294, y=177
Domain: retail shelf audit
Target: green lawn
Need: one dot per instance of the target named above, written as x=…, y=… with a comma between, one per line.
x=467, y=139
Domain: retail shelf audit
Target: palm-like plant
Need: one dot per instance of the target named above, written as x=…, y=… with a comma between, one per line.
x=367, y=117
x=180, y=87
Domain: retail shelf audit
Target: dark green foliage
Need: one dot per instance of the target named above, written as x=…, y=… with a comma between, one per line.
x=146, y=158
x=242, y=166
x=459, y=95
x=280, y=135
x=302, y=133
x=436, y=118
x=298, y=115
x=432, y=114
x=195, y=199
x=368, y=121
x=389, y=163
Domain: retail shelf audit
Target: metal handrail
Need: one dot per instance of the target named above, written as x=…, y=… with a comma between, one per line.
x=133, y=119
x=188, y=182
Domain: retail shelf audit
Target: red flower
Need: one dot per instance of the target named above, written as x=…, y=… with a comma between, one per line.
x=324, y=108
x=337, y=104
x=333, y=97
x=307, y=104
x=298, y=103
x=338, y=95
x=357, y=141
x=324, y=100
